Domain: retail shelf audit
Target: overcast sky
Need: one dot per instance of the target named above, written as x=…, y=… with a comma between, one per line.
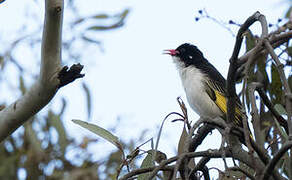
x=132, y=79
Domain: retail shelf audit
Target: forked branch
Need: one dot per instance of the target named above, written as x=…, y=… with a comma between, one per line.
x=50, y=78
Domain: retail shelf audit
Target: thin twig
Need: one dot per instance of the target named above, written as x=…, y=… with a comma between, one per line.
x=205, y=172
x=199, y=167
x=180, y=162
x=255, y=114
x=270, y=167
x=243, y=171
x=275, y=40
x=287, y=89
x=270, y=106
x=144, y=170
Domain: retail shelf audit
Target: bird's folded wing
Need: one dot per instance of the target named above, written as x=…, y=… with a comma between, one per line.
x=217, y=93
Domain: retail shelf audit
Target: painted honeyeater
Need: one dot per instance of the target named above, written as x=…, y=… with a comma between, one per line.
x=204, y=86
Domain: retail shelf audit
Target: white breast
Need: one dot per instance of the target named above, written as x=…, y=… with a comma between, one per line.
x=193, y=83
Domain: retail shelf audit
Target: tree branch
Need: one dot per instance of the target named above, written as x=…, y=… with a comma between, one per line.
x=44, y=89
x=144, y=170
x=200, y=167
x=275, y=40
x=250, y=176
x=200, y=136
x=270, y=167
x=231, y=78
x=255, y=114
x=240, y=155
x=270, y=106
x=287, y=89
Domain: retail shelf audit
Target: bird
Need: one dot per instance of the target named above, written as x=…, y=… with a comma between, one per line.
x=203, y=84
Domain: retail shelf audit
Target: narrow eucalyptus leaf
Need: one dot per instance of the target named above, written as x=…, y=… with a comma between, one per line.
x=182, y=141
x=280, y=109
x=100, y=16
x=90, y=40
x=275, y=86
x=56, y=122
x=250, y=40
x=289, y=50
x=287, y=15
x=290, y=81
x=105, y=134
x=147, y=162
x=22, y=85
x=88, y=99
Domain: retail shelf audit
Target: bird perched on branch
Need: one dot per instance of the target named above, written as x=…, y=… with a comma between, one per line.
x=205, y=87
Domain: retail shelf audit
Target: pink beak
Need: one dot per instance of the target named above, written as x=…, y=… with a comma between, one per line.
x=171, y=52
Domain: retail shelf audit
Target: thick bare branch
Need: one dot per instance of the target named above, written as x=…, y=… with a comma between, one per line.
x=51, y=43
x=231, y=78
x=44, y=89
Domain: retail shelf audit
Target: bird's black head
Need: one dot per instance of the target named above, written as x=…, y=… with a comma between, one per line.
x=187, y=53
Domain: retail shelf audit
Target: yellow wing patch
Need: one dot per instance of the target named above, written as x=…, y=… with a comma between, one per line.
x=222, y=104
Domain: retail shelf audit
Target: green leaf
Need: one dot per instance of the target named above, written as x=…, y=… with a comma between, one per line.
x=8, y=165
x=289, y=50
x=88, y=99
x=266, y=120
x=288, y=12
x=21, y=85
x=250, y=41
x=285, y=165
x=124, y=14
x=256, y=69
x=1, y=61
x=100, y=16
x=31, y=137
x=103, y=28
x=280, y=109
x=290, y=81
x=147, y=162
x=182, y=141
x=160, y=156
x=119, y=22
x=64, y=105
x=275, y=86
x=56, y=122
x=261, y=67
x=90, y=40
x=100, y=132
x=283, y=133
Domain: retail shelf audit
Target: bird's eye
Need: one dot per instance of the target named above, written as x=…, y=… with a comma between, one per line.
x=191, y=57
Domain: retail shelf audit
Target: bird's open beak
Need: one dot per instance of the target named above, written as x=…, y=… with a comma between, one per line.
x=171, y=52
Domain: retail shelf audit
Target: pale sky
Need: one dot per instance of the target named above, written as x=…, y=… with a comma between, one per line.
x=132, y=79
